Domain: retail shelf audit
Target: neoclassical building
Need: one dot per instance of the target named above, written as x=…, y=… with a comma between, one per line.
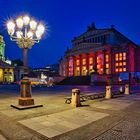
x=106, y=51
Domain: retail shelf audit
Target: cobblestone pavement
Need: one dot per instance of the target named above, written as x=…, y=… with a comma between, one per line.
x=122, y=121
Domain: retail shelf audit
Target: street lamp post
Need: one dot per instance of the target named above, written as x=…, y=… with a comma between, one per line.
x=25, y=31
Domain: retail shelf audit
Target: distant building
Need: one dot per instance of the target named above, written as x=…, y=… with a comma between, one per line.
x=48, y=71
x=2, y=48
x=105, y=51
x=6, y=70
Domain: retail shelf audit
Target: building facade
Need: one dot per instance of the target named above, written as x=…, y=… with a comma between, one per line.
x=6, y=70
x=105, y=51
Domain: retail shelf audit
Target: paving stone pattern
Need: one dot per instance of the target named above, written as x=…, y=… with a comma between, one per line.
x=59, y=123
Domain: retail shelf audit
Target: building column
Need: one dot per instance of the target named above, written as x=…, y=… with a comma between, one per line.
x=104, y=51
x=80, y=64
x=67, y=72
x=87, y=64
x=95, y=61
x=74, y=63
x=112, y=61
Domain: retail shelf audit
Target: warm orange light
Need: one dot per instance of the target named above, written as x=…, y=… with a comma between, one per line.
x=117, y=70
x=84, y=68
x=124, y=69
x=107, y=58
x=124, y=58
x=124, y=63
x=120, y=69
x=117, y=64
x=107, y=66
x=121, y=64
x=90, y=60
x=124, y=54
x=83, y=61
x=90, y=67
x=77, y=68
x=77, y=62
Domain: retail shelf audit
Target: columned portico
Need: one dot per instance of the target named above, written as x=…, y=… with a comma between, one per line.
x=104, y=53
x=87, y=64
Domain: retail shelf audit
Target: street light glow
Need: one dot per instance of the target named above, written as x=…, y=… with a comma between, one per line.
x=30, y=34
x=25, y=29
x=26, y=35
x=11, y=27
x=19, y=34
x=38, y=35
x=19, y=22
x=41, y=28
x=33, y=24
x=26, y=20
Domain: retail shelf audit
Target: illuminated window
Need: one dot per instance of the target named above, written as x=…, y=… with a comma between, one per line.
x=120, y=54
x=120, y=64
x=83, y=61
x=124, y=57
x=107, y=66
x=124, y=69
x=117, y=59
x=124, y=63
x=77, y=68
x=84, y=68
x=77, y=62
x=107, y=58
x=120, y=58
x=117, y=70
x=98, y=66
x=90, y=67
x=124, y=54
x=90, y=60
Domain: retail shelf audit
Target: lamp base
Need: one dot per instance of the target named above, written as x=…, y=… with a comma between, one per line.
x=26, y=101
x=25, y=107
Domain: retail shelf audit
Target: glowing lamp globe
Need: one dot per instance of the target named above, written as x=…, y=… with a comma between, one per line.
x=19, y=22
x=41, y=28
x=26, y=20
x=11, y=27
x=30, y=34
x=19, y=34
x=33, y=24
x=38, y=35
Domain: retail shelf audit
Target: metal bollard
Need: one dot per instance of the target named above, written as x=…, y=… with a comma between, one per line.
x=75, y=98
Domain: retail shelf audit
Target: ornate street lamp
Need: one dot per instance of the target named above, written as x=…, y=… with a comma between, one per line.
x=25, y=31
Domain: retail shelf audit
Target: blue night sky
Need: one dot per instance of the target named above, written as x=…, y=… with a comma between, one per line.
x=66, y=19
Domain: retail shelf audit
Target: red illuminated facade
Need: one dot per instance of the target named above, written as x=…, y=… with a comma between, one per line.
x=106, y=51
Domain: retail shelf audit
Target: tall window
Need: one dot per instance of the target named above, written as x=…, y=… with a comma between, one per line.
x=77, y=72
x=107, y=63
x=70, y=64
x=120, y=62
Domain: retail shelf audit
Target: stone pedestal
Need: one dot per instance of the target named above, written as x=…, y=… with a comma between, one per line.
x=26, y=101
x=26, y=93
x=75, y=98
x=127, y=89
x=108, y=92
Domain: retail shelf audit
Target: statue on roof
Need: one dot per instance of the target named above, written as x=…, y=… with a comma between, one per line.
x=91, y=27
